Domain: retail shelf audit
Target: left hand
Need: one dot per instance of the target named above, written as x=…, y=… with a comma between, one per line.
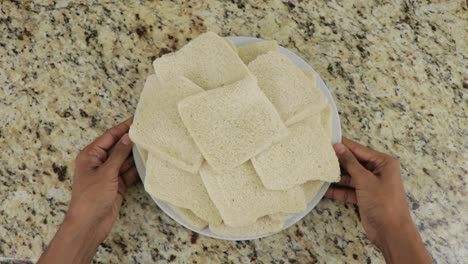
x=103, y=171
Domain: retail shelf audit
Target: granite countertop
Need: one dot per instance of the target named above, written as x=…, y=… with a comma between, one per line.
x=71, y=69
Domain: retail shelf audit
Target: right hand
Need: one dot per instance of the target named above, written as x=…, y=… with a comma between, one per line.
x=372, y=180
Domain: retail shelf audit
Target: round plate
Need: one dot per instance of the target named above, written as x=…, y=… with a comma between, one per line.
x=336, y=137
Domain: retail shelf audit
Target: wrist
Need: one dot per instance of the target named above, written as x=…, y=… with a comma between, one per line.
x=401, y=243
x=74, y=242
x=81, y=236
x=396, y=232
x=81, y=228
x=393, y=227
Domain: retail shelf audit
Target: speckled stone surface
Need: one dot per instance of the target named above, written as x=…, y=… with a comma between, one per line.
x=71, y=69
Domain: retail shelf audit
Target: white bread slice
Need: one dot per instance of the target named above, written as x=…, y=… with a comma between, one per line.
x=288, y=88
x=208, y=61
x=157, y=126
x=231, y=124
x=305, y=154
x=326, y=120
x=189, y=217
x=143, y=153
x=281, y=217
x=326, y=113
x=262, y=226
x=180, y=188
x=241, y=197
x=311, y=75
x=232, y=45
x=250, y=52
x=309, y=110
x=311, y=188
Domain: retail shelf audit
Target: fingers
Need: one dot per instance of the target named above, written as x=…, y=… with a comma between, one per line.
x=347, y=181
x=91, y=157
x=130, y=176
x=119, y=154
x=111, y=136
x=122, y=188
x=361, y=152
x=349, y=162
x=126, y=179
x=128, y=163
x=346, y=195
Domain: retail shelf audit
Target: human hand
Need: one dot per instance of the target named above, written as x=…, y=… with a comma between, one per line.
x=372, y=181
x=103, y=171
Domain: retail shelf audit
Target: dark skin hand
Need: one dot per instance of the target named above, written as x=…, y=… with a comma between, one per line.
x=373, y=182
x=103, y=171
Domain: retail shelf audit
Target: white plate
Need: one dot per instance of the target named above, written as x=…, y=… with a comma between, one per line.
x=336, y=137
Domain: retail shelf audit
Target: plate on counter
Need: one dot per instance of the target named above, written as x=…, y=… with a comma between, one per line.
x=336, y=137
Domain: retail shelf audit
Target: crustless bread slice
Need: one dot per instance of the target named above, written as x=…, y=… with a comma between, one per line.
x=326, y=120
x=157, y=126
x=262, y=226
x=250, y=52
x=193, y=220
x=231, y=124
x=180, y=188
x=232, y=45
x=305, y=154
x=293, y=94
x=241, y=197
x=208, y=61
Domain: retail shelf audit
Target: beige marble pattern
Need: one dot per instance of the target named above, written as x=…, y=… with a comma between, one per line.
x=71, y=69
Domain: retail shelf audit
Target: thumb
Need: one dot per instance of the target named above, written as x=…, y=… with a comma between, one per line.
x=349, y=162
x=119, y=153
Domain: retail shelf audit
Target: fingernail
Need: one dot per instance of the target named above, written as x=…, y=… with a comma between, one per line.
x=339, y=148
x=125, y=140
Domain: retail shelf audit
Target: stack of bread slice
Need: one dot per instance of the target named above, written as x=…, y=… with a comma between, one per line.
x=233, y=139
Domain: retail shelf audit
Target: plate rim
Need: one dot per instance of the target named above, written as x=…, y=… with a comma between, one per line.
x=336, y=137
